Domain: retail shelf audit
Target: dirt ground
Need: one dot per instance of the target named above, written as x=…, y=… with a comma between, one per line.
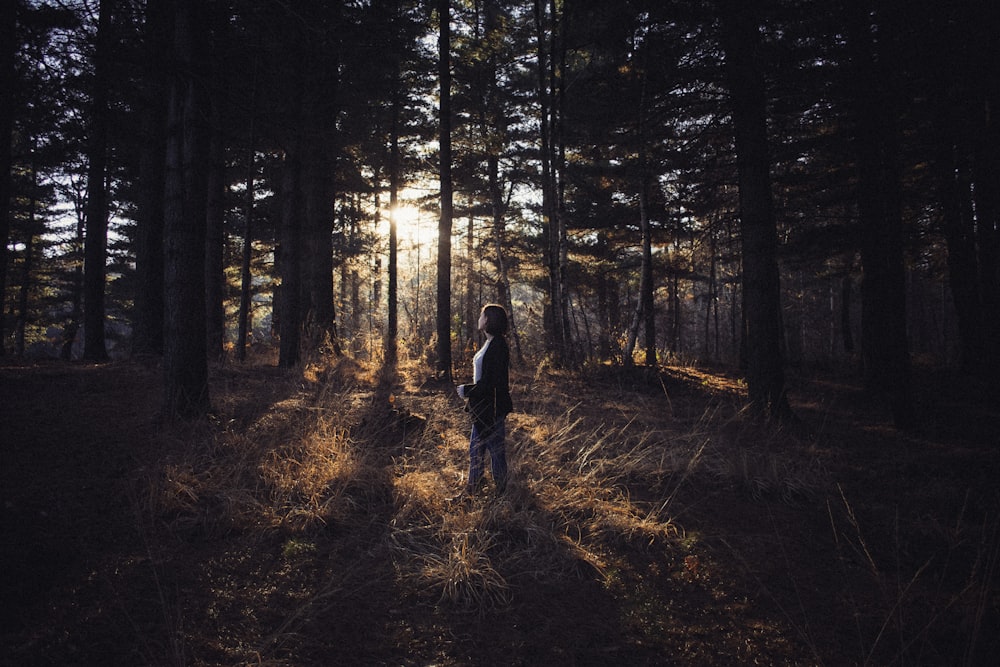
x=648, y=523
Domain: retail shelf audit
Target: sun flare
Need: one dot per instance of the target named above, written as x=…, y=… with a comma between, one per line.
x=406, y=216
x=412, y=224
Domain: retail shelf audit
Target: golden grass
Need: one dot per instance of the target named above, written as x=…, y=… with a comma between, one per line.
x=596, y=471
x=312, y=515
x=332, y=448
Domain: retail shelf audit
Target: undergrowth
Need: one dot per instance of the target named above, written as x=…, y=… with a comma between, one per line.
x=314, y=516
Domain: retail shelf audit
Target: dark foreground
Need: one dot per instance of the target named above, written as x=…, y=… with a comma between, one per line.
x=308, y=522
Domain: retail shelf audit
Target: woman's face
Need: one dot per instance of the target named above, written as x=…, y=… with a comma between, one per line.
x=482, y=321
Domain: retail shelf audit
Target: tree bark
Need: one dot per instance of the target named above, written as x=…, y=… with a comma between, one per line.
x=495, y=133
x=215, y=315
x=846, y=296
x=96, y=242
x=290, y=325
x=884, y=347
x=471, y=279
x=147, y=316
x=395, y=177
x=644, y=313
x=557, y=115
x=318, y=237
x=761, y=282
x=959, y=226
x=498, y=208
x=554, y=321
x=246, y=256
x=986, y=173
x=8, y=51
x=72, y=327
x=185, y=359
x=445, y=220
x=29, y=261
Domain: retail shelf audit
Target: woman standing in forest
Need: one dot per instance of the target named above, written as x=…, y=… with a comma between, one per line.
x=489, y=401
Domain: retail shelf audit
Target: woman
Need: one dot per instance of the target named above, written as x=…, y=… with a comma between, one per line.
x=489, y=400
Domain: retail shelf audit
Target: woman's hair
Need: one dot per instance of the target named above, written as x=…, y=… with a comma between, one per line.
x=496, y=319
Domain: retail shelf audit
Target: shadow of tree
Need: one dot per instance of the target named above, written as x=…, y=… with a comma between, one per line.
x=311, y=524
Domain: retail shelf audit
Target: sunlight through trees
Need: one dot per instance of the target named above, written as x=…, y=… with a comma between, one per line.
x=588, y=165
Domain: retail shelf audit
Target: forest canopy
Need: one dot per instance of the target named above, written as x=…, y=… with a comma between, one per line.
x=645, y=181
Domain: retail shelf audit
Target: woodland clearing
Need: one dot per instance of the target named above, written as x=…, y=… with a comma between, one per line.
x=310, y=521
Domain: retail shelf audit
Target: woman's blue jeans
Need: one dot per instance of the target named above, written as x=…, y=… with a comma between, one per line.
x=493, y=443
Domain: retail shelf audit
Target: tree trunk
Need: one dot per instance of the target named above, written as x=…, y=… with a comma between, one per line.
x=676, y=312
x=392, y=321
x=712, y=299
x=986, y=173
x=846, y=297
x=444, y=223
x=29, y=260
x=147, y=317
x=8, y=50
x=606, y=295
x=356, y=308
x=319, y=150
x=644, y=304
x=72, y=327
x=290, y=325
x=644, y=313
x=215, y=315
x=318, y=237
x=498, y=209
x=96, y=242
x=761, y=286
x=557, y=114
x=959, y=225
x=246, y=256
x=884, y=347
x=471, y=312
x=495, y=132
x=185, y=357
x=554, y=321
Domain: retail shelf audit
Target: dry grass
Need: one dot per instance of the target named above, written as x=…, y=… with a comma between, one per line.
x=311, y=520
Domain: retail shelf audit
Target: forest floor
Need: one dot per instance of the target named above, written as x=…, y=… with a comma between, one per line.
x=311, y=520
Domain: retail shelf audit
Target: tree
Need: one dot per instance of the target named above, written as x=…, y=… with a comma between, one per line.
x=185, y=359
x=644, y=309
x=557, y=317
x=443, y=319
x=215, y=212
x=305, y=83
x=147, y=315
x=392, y=313
x=761, y=286
x=290, y=261
x=250, y=194
x=27, y=265
x=588, y=146
x=8, y=49
x=876, y=106
x=320, y=317
x=958, y=54
x=96, y=244
x=318, y=185
x=491, y=150
x=246, y=255
x=645, y=305
x=496, y=135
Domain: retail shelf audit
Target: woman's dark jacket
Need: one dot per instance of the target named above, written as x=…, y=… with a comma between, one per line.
x=489, y=399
